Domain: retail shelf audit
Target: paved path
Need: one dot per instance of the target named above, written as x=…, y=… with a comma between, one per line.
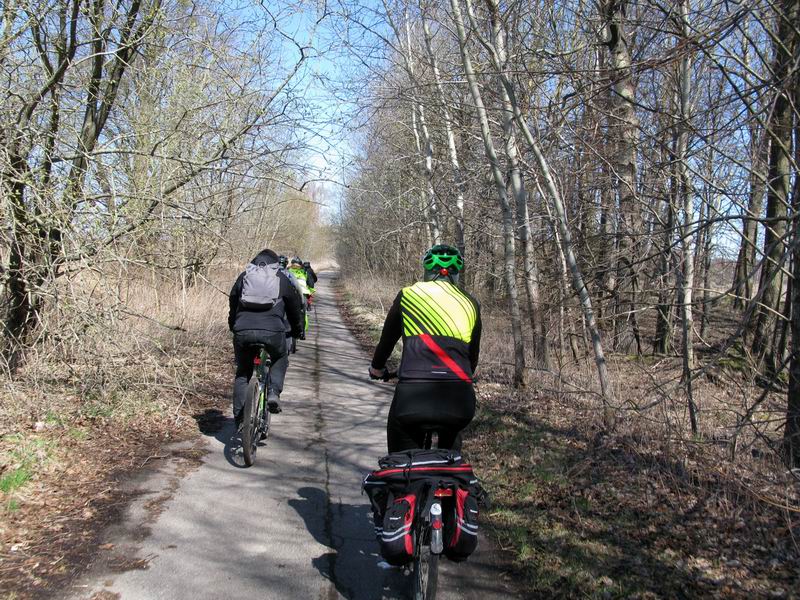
x=293, y=526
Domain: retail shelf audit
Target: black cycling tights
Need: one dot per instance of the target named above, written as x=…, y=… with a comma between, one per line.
x=449, y=405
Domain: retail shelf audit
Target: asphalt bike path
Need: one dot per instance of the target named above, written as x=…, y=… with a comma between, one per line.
x=294, y=525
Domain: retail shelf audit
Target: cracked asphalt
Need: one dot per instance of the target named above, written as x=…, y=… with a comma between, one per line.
x=293, y=526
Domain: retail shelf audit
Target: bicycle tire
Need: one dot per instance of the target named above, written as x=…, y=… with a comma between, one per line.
x=426, y=563
x=250, y=419
x=426, y=569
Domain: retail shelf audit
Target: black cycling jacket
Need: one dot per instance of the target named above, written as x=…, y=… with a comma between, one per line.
x=241, y=319
x=441, y=329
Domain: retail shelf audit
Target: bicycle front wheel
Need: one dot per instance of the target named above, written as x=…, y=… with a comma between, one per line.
x=426, y=568
x=250, y=419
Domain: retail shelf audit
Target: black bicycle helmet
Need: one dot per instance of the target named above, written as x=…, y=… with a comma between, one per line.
x=296, y=261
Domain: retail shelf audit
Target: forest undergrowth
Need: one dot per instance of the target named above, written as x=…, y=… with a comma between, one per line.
x=96, y=405
x=644, y=511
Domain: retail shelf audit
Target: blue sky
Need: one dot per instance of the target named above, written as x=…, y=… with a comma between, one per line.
x=330, y=81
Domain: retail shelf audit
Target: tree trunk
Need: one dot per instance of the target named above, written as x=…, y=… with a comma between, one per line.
x=746, y=259
x=787, y=32
x=561, y=222
x=623, y=128
x=686, y=194
x=458, y=176
x=509, y=253
x=779, y=130
x=541, y=350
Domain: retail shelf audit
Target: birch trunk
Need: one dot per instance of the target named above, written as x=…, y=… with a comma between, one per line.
x=541, y=350
x=424, y=145
x=684, y=185
x=623, y=128
x=779, y=131
x=500, y=187
x=578, y=283
x=458, y=175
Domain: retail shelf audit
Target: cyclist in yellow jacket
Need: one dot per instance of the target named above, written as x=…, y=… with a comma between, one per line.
x=441, y=329
x=304, y=284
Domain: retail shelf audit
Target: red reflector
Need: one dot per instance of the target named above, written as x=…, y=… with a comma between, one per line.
x=437, y=524
x=442, y=493
x=256, y=361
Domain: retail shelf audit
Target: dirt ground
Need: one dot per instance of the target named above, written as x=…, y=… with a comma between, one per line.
x=49, y=527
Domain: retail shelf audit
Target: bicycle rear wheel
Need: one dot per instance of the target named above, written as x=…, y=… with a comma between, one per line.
x=426, y=566
x=250, y=422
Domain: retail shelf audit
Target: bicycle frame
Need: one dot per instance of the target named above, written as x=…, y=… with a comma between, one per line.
x=429, y=541
x=257, y=418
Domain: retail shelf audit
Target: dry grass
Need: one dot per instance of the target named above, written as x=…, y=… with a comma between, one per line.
x=125, y=363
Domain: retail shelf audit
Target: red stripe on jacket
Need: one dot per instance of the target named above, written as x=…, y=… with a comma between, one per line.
x=443, y=356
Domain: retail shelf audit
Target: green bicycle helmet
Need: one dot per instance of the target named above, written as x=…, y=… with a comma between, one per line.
x=443, y=257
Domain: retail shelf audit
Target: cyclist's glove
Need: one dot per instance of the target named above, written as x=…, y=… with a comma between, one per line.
x=382, y=377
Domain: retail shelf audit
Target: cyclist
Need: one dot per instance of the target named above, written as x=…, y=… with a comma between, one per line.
x=312, y=276
x=283, y=266
x=441, y=329
x=255, y=318
x=304, y=284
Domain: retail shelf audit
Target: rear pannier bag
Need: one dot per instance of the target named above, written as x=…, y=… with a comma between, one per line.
x=261, y=287
x=461, y=526
x=396, y=535
x=415, y=473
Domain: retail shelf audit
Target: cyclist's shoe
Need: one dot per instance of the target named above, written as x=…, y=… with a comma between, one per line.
x=273, y=404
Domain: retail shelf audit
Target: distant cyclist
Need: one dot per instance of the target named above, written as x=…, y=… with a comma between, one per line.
x=304, y=284
x=441, y=329
x=283, y=266
x=261, y=301
x=310, y=272
x=303, y=278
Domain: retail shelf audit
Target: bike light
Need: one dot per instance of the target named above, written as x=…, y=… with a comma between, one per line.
x=257, y=360
x=437, y=542
x=436, y=515
x=443, y=493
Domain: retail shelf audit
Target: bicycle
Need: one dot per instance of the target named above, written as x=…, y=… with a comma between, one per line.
x=428, y=525
x=256, y=417
x=428, y=532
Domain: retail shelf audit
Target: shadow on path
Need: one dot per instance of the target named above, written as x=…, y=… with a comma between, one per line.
x=352, y=565
x=213, y=423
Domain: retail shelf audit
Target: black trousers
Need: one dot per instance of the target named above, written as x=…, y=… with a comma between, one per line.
x=447, y=405
x=244, y=353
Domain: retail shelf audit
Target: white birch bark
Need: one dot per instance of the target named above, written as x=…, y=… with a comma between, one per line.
x=520, y=195
x=561, y=221
x=500, y=187
x=425, y=146
x=687, y=276
x=451, y=139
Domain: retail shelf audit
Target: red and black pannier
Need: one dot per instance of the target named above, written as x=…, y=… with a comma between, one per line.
x=403, y=488
x=461, y=526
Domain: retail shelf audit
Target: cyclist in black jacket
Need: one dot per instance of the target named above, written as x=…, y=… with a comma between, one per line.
x=253, y=326
x=441, y=329
x=310, y=272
